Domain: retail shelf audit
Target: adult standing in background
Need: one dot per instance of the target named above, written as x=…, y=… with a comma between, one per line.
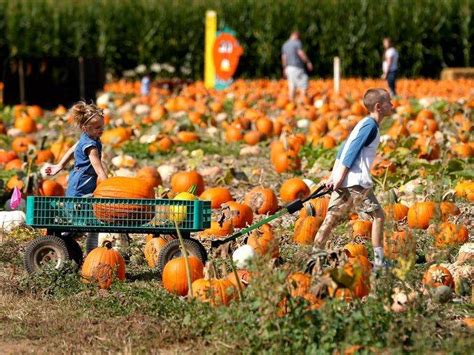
x=390, y=65
x=294, y=61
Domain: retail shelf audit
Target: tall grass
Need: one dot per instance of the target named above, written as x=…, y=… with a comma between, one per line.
x=430, y=34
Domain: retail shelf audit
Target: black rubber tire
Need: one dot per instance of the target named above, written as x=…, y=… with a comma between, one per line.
x=43, y=250
x=92, y=242
x=172, y=250
x=74, y=250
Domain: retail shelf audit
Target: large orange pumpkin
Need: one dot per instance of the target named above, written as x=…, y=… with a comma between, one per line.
x=103, y=265
x=451, y=234
x=354, y=249
x=420, y=214
x=174, y=274
x=184, y=180
x=306, y=229
x=123, y=187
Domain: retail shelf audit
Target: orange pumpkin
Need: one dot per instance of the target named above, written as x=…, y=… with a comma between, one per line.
x=103, y=265
x=252, y=137
x=448, y=209
x=152, y=250
x=15, y=164
x=293, y=189
x=438, y=275
x=397, y=211
x=317, y=207
x=214, y=291
x=44, y=156
x=123, y=187
x=150, y=175
x=354, y=249
x=51, y=188
x=26, y=124
x=451, y=234
x=116, y=136
x=6, y=156
x=184, y=180
x=242, y=214
x=399, y=244
x=262, y=241
x=243, y=277
x=298, y=283
x=262, y=200
x=420, y=214
x=306, y=229
x=218, y=230
x=361, y=228
x=217, y=196
x=20, y=144
x=174, y=274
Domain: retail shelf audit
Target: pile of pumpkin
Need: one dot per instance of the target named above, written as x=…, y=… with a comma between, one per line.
x=260, y=115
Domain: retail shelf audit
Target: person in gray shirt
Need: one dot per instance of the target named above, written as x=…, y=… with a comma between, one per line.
x=294, y=60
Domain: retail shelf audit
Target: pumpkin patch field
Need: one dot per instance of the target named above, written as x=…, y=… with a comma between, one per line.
x=249, y=151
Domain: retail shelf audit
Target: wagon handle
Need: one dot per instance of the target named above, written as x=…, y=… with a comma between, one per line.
x=291, y=208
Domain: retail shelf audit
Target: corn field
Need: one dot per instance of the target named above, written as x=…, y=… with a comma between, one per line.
x=429, y=34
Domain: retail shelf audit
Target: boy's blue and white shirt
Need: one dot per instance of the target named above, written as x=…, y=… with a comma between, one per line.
x=358, y=153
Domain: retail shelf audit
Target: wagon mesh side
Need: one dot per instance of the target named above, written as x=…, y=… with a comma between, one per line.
x=117, y=214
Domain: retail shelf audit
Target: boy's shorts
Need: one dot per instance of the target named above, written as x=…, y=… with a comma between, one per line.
x=354, y=199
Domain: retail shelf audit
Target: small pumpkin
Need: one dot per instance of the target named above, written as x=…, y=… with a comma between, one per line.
x=174, y=274
x=298, y=283
x=51, y=188
x=354, y=249
x=214, y=291
x=243, y=275
x=103, y=265
x=150, y=175
x=263, y=241
x=293, y=189
x=399, y=244
x=218, y=230
x=397, y=211
x=242, y=214
x=438, y=275
x=451, y=234
x=361, y=228
x=184, y=180
x=420, y=214
x=262, y=200
x=217, y=196
x=152, y=250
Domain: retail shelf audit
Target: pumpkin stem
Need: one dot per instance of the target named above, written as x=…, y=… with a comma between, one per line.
x=192, y=189
x=186, y=261
x=107, y=244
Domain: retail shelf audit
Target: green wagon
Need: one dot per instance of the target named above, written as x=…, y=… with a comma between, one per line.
x=63, y=217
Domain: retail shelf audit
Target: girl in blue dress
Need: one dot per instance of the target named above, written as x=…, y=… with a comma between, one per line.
x=88, y=168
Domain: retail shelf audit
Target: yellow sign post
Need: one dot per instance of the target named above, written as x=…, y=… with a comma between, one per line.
x=210, y=37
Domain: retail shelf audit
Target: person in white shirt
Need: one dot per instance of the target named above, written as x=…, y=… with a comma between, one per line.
x=390, y=65
x=351, y=181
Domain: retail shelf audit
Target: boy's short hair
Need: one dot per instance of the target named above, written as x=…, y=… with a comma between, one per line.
x=373, y=96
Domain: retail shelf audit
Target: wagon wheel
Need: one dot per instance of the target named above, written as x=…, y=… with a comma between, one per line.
x=172, y=250
x=74, y=250
x=44, y=250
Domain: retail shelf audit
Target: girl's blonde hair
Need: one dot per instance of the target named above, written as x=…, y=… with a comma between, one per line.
x=83, y=113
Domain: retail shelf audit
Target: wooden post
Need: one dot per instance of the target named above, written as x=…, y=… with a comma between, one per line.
x=337, y=75
x=210, y=37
